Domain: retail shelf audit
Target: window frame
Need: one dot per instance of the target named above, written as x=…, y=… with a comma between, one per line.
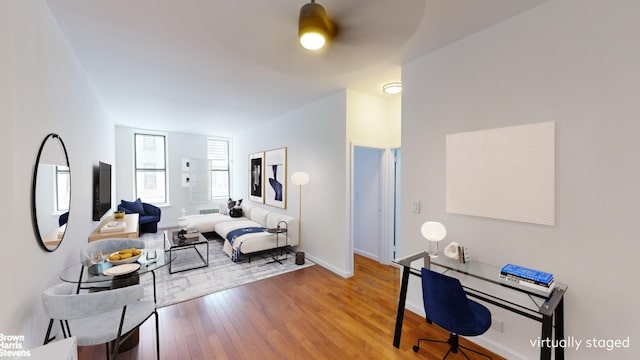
x=57, y=173
x=210, y=159
x=164, y=170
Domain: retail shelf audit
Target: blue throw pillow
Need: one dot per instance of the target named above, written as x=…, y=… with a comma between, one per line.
x=126, y=210
x=134, y=206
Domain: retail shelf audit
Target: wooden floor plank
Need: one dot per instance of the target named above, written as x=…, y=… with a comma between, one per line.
x=310, y=313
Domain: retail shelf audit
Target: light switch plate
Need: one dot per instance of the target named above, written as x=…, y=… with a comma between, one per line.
x=415, y=206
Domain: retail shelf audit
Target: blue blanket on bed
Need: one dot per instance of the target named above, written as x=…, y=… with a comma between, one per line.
x=232, y=235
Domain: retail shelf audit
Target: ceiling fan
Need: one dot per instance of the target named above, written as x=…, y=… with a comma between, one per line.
x=362, y=34
x=357, y=23
x=315, y=29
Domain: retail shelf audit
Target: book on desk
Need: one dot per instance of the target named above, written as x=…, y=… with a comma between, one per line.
x=538, y=282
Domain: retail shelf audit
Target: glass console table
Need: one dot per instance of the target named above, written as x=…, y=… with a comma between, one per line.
x=482, y=281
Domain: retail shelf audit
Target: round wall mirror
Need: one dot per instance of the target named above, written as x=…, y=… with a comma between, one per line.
x=51, y=192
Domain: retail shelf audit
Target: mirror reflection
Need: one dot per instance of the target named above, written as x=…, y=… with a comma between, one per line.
x=51, y=192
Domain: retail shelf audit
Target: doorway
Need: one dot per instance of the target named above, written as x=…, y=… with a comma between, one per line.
x=374, y=197
x=368, y=198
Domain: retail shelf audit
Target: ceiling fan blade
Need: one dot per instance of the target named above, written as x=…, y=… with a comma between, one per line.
x=362, y=22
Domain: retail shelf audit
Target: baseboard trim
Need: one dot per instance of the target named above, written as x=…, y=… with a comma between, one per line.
x=329, y=267
x=367, y=254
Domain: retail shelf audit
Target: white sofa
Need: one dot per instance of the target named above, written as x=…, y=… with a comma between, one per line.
x=253, y=221
x=205, y=223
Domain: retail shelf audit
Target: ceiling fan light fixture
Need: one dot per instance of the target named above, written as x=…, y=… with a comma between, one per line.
x=315, y=29
x=313, y=40
x=392, y=88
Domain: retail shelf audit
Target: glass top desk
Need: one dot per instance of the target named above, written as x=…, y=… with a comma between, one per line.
x=482, y=281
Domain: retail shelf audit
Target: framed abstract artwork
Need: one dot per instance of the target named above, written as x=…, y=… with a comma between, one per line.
x=275, y=175
x=256, y=177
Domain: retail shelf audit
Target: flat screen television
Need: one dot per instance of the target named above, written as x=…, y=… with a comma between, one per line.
x=101, y=190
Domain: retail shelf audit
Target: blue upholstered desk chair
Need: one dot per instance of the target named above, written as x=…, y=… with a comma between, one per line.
x=106, y=247
x=446, y=304
x=98, y=317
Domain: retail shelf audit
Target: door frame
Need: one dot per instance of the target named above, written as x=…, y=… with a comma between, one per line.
x=386, y=171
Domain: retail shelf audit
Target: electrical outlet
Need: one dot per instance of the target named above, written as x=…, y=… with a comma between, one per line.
x=496, y=324
x=415, y=206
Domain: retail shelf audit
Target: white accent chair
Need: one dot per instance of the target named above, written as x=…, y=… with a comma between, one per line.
x=98, y=317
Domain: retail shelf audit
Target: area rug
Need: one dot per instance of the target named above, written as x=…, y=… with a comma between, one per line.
x=221, y=274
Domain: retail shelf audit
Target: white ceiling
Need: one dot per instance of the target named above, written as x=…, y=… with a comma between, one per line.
x=219, y=66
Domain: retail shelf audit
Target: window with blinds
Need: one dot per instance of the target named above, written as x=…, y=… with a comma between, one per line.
x=218, y=157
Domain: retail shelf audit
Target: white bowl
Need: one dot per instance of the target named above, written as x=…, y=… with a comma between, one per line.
x=124, y=261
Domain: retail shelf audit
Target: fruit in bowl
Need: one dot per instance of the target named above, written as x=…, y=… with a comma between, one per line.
x=118, y=214
x=125, y=256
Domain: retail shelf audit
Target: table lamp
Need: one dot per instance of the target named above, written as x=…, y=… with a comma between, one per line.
x=300, y=178
x=434, y=232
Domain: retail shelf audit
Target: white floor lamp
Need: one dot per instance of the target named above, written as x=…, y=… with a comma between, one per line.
x=300, y=178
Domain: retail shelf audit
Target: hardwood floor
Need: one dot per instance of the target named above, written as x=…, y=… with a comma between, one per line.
x=306, y=314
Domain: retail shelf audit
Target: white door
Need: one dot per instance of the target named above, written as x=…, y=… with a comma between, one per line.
x=368, y=202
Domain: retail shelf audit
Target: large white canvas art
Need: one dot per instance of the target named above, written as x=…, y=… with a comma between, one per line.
x=505, y=173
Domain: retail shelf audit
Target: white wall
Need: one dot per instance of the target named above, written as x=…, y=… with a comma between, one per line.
x=44, y=90
x=315, y=137
x=569, y=61
x=372, y=120
x=179, y=146
x=394, y=117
